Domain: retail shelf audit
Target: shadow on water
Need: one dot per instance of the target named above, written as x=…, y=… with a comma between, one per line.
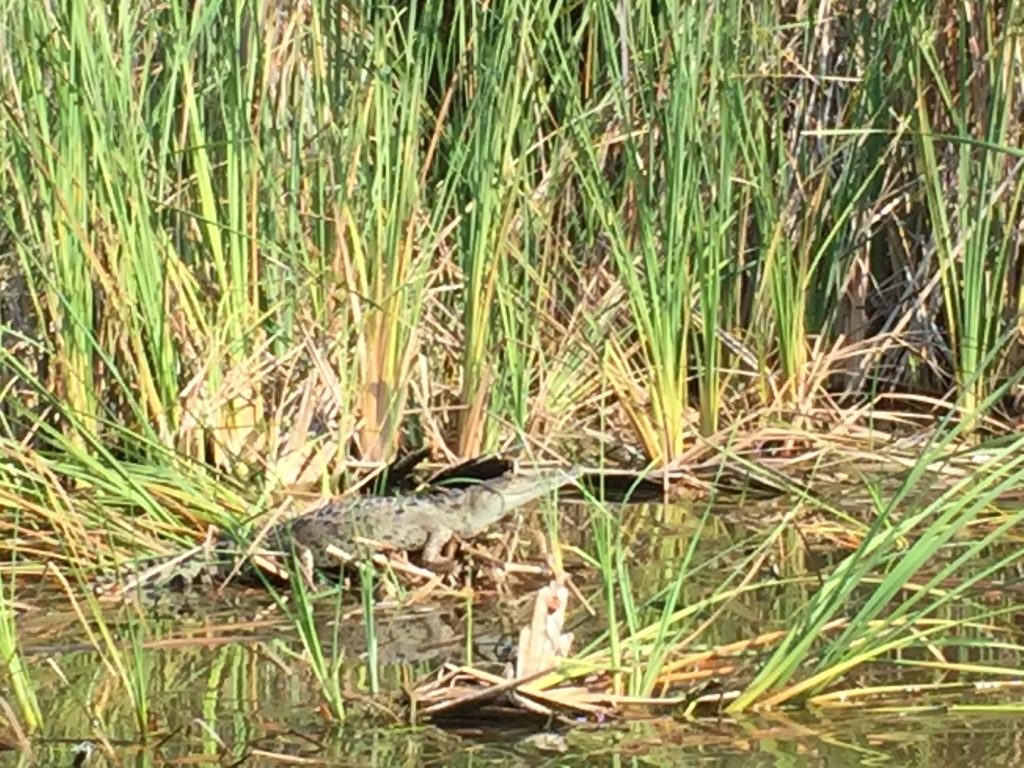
x=227, y=684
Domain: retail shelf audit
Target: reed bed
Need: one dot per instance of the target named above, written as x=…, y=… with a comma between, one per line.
x=252, y=250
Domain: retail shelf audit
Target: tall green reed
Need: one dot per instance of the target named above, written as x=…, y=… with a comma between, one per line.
x=244, y=181
x=14, y=662
x=886, y=620
x=965, y=87
x=326, y=666
x=384, y=241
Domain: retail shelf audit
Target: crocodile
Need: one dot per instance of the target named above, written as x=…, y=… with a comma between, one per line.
x=421, y=523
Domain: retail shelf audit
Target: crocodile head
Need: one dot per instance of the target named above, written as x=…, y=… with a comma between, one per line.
x=480, y=506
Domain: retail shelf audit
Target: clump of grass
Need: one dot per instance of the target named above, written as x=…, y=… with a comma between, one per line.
x=245, y=249
x=15, y=665
x=904, y=595
x=422, y=250
x=325, y=667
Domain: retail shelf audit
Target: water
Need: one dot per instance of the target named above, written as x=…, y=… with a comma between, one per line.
x=230, y=684
x=244, y=737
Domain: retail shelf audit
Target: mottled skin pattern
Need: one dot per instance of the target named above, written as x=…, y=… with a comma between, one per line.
x=422, y=523
x=415, y=523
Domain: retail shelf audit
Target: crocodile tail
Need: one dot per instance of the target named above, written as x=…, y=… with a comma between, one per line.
x=155, y=577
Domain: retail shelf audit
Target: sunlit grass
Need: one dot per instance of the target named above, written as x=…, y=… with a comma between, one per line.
x=323, y=654
x=14, y=663
x=380, y=229
x=246, y=248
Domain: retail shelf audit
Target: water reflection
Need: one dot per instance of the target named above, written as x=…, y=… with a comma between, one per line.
x=230, y=684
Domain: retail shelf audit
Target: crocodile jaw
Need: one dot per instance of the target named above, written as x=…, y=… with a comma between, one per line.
x=487, y=503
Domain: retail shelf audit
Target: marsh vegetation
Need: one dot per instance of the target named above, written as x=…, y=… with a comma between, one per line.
x=252, y=251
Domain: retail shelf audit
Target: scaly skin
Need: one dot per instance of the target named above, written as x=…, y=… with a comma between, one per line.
x=411, y=523
x=415, y=523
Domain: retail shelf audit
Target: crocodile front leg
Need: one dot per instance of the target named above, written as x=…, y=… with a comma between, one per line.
x=436, y=541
